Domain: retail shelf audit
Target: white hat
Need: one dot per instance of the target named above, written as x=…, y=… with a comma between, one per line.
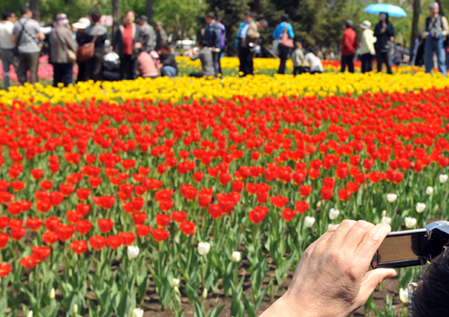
x=154, y=54
x=61, y=19
x=365, y=25
x=82, y=24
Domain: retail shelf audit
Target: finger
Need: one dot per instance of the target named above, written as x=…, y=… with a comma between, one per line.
x=371, y=281
x=371, y=243
x=343, y=228
x=326, y=235
x=355, y=236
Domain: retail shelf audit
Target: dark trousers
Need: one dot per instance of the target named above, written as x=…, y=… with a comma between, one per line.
x=216, y=60
x=246, y=61
x=128, y=67
x=81, y=71
x=28, y=62
x=298, y=70
x=383, y=57
x=347, y=60
x=367, y=63
x=91, y=69
x=62, y=73
x=196, y=75
x=283, y=55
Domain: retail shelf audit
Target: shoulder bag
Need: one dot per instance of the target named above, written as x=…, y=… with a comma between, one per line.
x=286, y=41
x=71, y=56
x=87, y=51
x=16, y=48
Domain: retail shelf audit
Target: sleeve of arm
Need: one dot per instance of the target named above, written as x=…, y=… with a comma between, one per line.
x=445, y=26
x=195, y=57
x=391, y=29
x=290, y=31
x=217, y=36
x=424, y=32
x=275, y=33
x=347, y=43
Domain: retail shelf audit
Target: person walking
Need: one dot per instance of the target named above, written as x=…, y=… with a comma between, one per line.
x=98, y=34
x=7, y=45
x=367, y=47
x=127, y=44
x=284, y=33
x=434, y=29
x=349, y=46
x=212, y=34
x=298, y=59
x=61, y=40
x=206, y=57
x=27, y=36
x=247, y=35
x=161, y=36
x=148, y=30
x=384, y=32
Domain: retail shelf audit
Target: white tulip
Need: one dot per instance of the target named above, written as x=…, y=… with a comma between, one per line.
x=334, y=213
x=137, y=312
x=403, y=295
x=384, y=213
x=205, y=293
x=410, y=222
x=30, y=313
x=443, y=178
x=175, y=282
x=420, y=207
x=52, y=293
x=133, y=252
x=386, y=220
x=176, y=289
x=429, y=190
x=309, y=221
x=236, y=256
x=75, y=309
x=392, y=198
x=203, y=248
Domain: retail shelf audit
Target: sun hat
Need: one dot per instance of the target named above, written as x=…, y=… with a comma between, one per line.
x=434, y=5
x=365, y=25
x=154, y=54
x=61, y=19
x=82, y=24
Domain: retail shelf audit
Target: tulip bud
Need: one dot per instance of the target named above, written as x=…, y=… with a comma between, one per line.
x=52, y=293
x=334, y=213
x=420, y=207
x=392, y=198
x=75, y=309
x=410, y=222
x=403, y=295
x=443, y=178
x=133, y=252
x=30, y=313
x=175, y=282
x=205, y=293
x=365, y=186
x=384, y=213
x=137, y=312
x=236, y=256
x=176, y=289
x=309, y=222
x=203, y=248
x=386, y=220
x=318, y=204
x=429, y=190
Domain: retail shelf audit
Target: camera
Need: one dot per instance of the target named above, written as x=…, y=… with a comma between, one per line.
x=413, y=247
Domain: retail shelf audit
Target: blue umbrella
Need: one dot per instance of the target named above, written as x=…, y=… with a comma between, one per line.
x=392, y=10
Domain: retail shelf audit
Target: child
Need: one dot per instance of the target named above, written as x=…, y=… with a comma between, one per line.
x=298, y=59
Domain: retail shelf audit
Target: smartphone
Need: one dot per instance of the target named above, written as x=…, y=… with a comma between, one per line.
x=401, y=249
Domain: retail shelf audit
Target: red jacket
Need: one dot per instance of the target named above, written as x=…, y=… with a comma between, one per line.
x=349, y=42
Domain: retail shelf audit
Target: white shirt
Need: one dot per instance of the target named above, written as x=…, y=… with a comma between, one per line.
x=314, y=61
x=6, y=30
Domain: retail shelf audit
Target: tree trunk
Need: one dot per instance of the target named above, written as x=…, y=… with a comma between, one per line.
x=115, y=15
x=415, y=26
x=441, y=7
x=150, y=11
x=34, y=6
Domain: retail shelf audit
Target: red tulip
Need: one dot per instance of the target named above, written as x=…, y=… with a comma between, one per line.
x=40, y=253
x=4, y=238
x=83, y=226
x=94, y=182
x=34, y=223
x=139, y=217
x=5, y=269
x=302, y=206
x=327, y=193
x=65, y=232
x=188, y=228
x=28, y=262
x=127, y=238
x=46, y=185
x=52, y=223
x=17, y=232
x=305, y=191
x=83, y=193
x=258, y=214
x=279, y=201
x=163, y=220
x=198, y=176
x=215, y=211
x=17, y=186
x=160, y=234
x=4, y=222
x=105, y=225
x=288, y=214
x=143, y=231
x=114, y=242
x=98, y=242
x=37, y=174
x=79, y=246
x=344, y=194
x=14, y=208
x=50, y=237
x=224, y=178
x=179, y=216
x=205, y=197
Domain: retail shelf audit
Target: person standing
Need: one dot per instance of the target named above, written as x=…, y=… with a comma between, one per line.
x=298, y=59
x=222, y=40
x=434, y=29
x=161, y=36
x=61, y=40
x=94, y=33
x=27, y=36
x=367, y=47
x=349, y=46
x=148, y=30
x=212, y=34
x=127, y=44
x=384, y=32
x=247, y=35
x=7, y=45
x=283, y=29
x=80, y=28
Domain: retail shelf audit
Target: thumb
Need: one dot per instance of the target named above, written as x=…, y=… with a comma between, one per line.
x=372, y=280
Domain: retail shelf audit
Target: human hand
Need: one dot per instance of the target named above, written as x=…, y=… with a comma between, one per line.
x=440, y=36
x=138, y=45
x=332, y=279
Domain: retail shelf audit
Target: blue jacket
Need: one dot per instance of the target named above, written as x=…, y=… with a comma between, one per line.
x=280, y=29
x=212, y=34
x=238, y=39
